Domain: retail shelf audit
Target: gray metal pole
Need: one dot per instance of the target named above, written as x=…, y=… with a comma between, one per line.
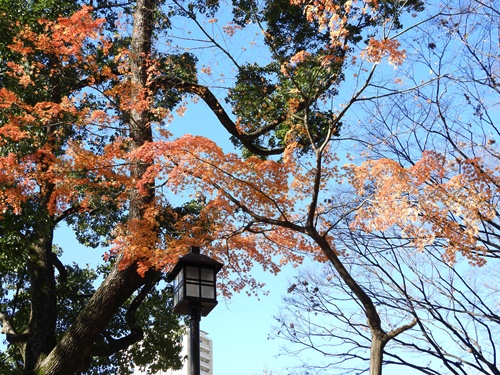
x=194, y=339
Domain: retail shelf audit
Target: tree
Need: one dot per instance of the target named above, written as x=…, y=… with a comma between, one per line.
x=454, y=307
x=427, y=201
x=389, y=193
x=93, y=156
x=49, y=126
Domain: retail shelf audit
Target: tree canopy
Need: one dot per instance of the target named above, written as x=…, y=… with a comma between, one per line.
x=88, y=91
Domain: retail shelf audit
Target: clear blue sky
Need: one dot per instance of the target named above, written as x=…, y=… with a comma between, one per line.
x=238, y=327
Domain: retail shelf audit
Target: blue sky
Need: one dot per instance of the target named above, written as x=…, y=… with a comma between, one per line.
x=238, y=327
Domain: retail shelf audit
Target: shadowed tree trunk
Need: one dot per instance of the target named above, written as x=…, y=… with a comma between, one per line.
x=71, y=354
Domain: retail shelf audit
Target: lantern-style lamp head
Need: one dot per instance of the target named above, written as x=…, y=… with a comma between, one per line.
x=194, y=282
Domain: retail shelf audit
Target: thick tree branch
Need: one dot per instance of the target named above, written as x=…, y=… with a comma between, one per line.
x=136, y=332
x=213, y=103
x=395, y=332
x=63, y=273
x=12, y=336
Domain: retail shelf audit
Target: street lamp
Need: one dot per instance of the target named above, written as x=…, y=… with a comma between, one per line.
x=195, y=294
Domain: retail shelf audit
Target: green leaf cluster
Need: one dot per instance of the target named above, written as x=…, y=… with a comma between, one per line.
x=280, y=95
x=159, y=350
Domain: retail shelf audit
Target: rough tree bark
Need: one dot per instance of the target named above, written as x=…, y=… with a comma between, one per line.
x=71, y=353
x=43, y=316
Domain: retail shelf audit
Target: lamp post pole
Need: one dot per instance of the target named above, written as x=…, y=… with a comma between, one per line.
x=195, y=294
x=194, y=338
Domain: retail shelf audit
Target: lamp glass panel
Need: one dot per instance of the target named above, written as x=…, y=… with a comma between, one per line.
x=178, y=279
x=180, y=292
x=207, y=274
x=192, y=272
x=192, y=290
x=208, y=291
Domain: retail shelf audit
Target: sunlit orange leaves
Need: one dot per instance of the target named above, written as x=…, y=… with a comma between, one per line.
x=230, y=29
x=245, y=200
x=48, y=164
x=11, y=132
x=333, y=16
x=15, y=189
x=433, y=199
x=378, y=49
x=64, y=40
x=198, y=161
x=336, y=20
x=137, y=240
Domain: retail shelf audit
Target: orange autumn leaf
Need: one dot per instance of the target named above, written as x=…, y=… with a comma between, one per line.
x=433, y=199
x=378, y=49
x=231, y=186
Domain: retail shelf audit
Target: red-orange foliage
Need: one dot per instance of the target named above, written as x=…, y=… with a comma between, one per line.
x=435, y=199
x=46, y=155
x=63, y=39
x=333, y=17
x=249, y=202
x=78, y=174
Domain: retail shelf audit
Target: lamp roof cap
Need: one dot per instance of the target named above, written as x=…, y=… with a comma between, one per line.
x=194, y=258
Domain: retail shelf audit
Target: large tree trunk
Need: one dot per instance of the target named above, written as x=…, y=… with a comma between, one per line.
x=43, y=316
x=377, y=353
x=140, y=127
x=72, y=352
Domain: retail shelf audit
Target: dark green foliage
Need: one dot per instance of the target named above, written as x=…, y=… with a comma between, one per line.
x=188, y=212
x=10, y=365
x=264, y=95
x=162, y=339
x=280, y=95
x=206, y=7
x=160, y=348
x=93, y=228
x=179, y=66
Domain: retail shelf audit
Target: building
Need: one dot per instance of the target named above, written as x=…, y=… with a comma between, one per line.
x=206, y=364
x=206, y=367
x=206, y=354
